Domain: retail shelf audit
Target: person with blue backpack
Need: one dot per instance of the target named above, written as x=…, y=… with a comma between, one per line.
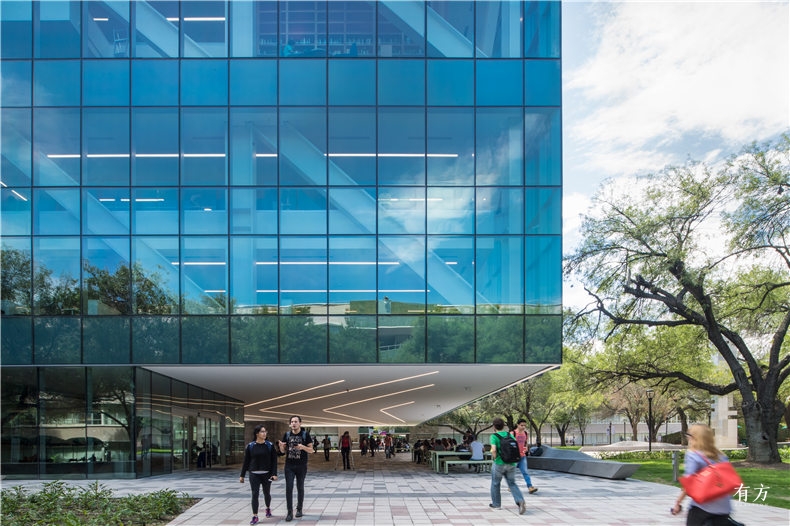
x=260, y=459
x=295, y=445
x=506, y=455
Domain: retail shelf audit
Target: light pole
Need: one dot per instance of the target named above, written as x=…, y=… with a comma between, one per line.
x=650, y=395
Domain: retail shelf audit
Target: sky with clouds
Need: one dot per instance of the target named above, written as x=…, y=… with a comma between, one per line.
x=650, y=84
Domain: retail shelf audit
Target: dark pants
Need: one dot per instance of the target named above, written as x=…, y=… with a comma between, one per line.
x=699, y=517
x=256, y=481
x=346, y=452
x=326, y=454
x=298, y=472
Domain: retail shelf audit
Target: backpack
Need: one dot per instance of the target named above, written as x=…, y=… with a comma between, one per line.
x=508, y=449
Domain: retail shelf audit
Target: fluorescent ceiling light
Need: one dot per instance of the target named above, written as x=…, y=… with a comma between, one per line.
x=204, y=19
x=201, y=263
x=450, y=155
x=324, y=263
x=20, y=196
x=63, y=156
x=214, y=291
x=204, y=155
x=265, y=155
x=107, y=156
x=100, y=19
x=149, y=200
x=172, y=19
x=155, y=155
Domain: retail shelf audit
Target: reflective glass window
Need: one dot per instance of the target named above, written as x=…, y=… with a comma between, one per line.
x=543, y=282
x=204, y=275
x=450, y=210
x=154, y=82
x=15, y=82
x=61, y=397
x=56, y=211
x=352, y=26
x=500, y=210
x=352, y=82
x=56, y=147
x=58, y=339
x=105, y=142
x=105, y=83
x=448, y=339
x=204, y=340
x=499, y=268
x=155, y=339
x=16, y=339
x=21, y=420
x=253, y=277
x=498, y=83
x=156, y=27
x=401, y=29
x=498, y=29
x=253, y=82
x=303, y=211
x=352, y=273
x=542, y=29
x=543, y=339
x=155, y=275
x=254, y=28
x=106, y=339
x=253, y=339
x=500, y=339
x=155, y=211
x=303, y=275
x=401, y=82
x=401, y=146
x=253, y=211
x=111, y=391
x=155, y=146
x=57, y=83
x=543, y=153
x=303, y=29
x=451, y=274
x=204, y=82
x=253, y=146
x=451, y=29
x=397, y=345
x=204, y=146
x=352, y=210
x=15, y=147
x=302, y=82
x=303, y=339
x=354, y=341
x=451, y=146
x=205, y=28
x=15, y=286
x=15, y=216
x=543, y=210
x=106, y=276
x=542, y=83
x=352, y=146
x=204, y=211
x=16, y=29
x=57, y=29
x=499, y=146
x=56, y=275
x=105, y=211
x=401, y=210
x=450, y=83
x=302, y=146
x=401, y=273
x=105, y=29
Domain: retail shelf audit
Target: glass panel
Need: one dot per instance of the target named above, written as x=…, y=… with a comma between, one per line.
x=500, y=339
x=352, y=210
x=106, y=146
x=253, y=211
x=542, y=83
x=352, y=26
x=352, y=82
x=254, y=31
x=401, y=273
x=303, y=275
x=155, y=211
x=253, y=146
x=15, y=216
x=401, y=210
x=204, y=146
x=105, y=211
x=254, y=275
x=499, y=83
x=302, y=146
x=15, y=81
x=204, y=339
x=303, y=29
x=204, y=275
x=401, y=82
x=56, y=211
x=204, y=211
x=16, y=341
x=105, y=83
x=499, y=269
x=204, y=82
x=143, y=453
x=543, y=211
x=542, y=29
x=205, y=28
x=56, y=83
x=16, y=32
x=253, y=82
x=450, y=210
x=499, y=146
x=401, y=339
x=106, y=340
x=15, y=268
x=302, y=211
x=106, y=280
x=155, y=146
x=401, y=146
x=543, y=339
x=353, y=340
x=500, y=210
x=543, y=279
x=303, y=339
x=155, y=339
x=154, y=82
x=352, y=146
x=57, y=29
x=498, y=29
x=56, y=147
x=105, y=29
x=451, y=29
x=156, y=25
x=352, y=275
x=451, y=146
x=543, y=155
x=451, y=82
x=111, y=405
x=15, y=147
x=56, y=275
x=253, y=339
x=19, y=409
x=155, y=275
x=401, y=29
x=302, y=82
x=62, y=407
x=451, y=274
x=449, y=339
x=163, y=453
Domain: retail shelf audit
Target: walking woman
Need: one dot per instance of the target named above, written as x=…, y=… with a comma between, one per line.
x=345, y=450
x=260, y=458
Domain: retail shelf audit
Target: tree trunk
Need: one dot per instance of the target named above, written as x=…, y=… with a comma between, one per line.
x=762, y=423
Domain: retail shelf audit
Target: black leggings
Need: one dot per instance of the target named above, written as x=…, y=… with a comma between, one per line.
x=699, y=517
x=256, y=481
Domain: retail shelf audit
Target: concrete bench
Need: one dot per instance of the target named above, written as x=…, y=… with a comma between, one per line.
x=486, y=464
x=578, y=463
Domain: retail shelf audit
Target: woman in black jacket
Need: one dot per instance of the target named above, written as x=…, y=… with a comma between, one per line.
x=260, y=458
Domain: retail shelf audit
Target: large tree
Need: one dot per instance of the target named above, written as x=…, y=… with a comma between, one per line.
x=704, y=247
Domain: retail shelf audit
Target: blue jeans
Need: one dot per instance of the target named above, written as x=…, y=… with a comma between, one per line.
x=522, y=467
x=509, y=472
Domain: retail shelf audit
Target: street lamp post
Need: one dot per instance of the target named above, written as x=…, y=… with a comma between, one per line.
x=650, y=395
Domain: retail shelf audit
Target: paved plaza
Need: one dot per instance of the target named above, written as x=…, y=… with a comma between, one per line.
x=380, y=491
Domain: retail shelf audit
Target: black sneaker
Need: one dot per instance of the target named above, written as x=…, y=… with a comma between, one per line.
x=298, y=514
x=289, y=517
x=495, y=507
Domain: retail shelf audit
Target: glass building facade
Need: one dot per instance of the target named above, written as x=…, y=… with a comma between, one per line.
x=263, y=182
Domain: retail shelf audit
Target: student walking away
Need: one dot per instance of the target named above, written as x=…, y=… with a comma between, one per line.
x=295, y=445
x=260, y=459
x=522, y=437
x=504, y=452
x=345, y=450
x=327, y=446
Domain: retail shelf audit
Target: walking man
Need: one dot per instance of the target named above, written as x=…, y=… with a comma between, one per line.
x=295, y=445
x=522, y=437
x=500, y=469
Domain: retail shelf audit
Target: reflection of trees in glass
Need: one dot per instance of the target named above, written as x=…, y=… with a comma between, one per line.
x=14, y=279
x=58, y=339
x=543, y=339
x=451, y=339
x=114, y=290
x=112, y=395
x=500, y=339
x=353, y=342
x=399, y=350
x=253, y=339
x=53, y=294
x=204, y=339
x=301, y=340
